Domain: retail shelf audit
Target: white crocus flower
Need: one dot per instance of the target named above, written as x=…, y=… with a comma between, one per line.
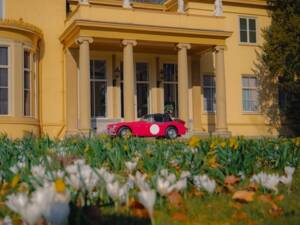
x=116, y=192
x=17, y=202
x=268, y=181
x=147, y=199
x=130, y=165
x=163, y=186
x=164, y=172
x=171, y=178
x=140, y=181
x=287, y=180
x=289, y=170
x=185, y=174
x=205, y=182
x=181, y=184
x=7, y=221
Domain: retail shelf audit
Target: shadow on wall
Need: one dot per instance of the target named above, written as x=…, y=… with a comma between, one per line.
x=274, y=103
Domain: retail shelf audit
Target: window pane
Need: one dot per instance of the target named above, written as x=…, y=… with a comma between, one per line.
x=3, y=77
x=3, y=101
x=91, y=69
x=92, y=99
x=3, y=56
x=100, y=70
x=245, y=82
x=122, y=100
x=142, y=99
x=26, y=103
x=171, y=99
x=26, y=80
x=100, y=99
x=170, y=72
x=26, y=60
x=252, y=36
x=244, y=37
x=142, y=72
x=209, y=93
x=252, y=25
x=243, y=24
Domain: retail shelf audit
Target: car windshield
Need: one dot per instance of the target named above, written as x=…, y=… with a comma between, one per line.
x=148, y=118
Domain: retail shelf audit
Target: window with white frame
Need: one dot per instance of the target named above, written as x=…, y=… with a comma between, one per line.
x=4, y=80
x=170, y=78
x=209, y=93
x=1, y=9
x=248, y=30
x=142, y=88
x=250, y=94
x=27, y=84
x=98, y=88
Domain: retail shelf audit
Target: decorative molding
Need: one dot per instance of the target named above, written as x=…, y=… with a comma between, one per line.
x=83, y=2
x=129, y=42
x=22, y=26
x=80, y=40
x=184, y=45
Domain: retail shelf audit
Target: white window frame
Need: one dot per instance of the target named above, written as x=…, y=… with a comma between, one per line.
x=26, y=49
x=3, y=10
x=248, y=30
x=106, y=87
x=142, y=82
x=249, y=88
x=8, y=67
x=209, y=87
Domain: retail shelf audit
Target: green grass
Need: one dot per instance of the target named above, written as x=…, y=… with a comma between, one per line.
x=217, y=209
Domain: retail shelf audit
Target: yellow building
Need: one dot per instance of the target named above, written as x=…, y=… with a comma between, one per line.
x=69, y=67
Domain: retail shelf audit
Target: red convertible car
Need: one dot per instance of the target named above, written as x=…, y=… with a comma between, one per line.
x=151, y=125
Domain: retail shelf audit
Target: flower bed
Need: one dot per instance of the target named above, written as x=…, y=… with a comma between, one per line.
x=43, y=178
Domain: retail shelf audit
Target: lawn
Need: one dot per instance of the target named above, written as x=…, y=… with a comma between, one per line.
x=103, y=180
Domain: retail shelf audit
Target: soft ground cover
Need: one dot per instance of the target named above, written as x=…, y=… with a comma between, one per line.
x=29, y=164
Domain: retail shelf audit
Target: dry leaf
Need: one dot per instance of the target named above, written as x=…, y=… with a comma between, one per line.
x=195, y=192
x=230, y=188
x=179, y=216
x=275, y=211
x=239, y=215
x=175, y=200
x=137, y=209
x=279, y=198
x=252, y=187
x=266, y=199
x=243, y=196
x=236, y=205
x=231, y=180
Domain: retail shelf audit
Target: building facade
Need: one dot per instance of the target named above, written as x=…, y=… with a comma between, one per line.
x=69, y=67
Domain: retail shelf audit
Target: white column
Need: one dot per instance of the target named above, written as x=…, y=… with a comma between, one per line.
x=183, y=98
x=84, y=122
x=129, y=84
x=180, y=8
x=221, y=114
x=126, y=4
x=218, y=8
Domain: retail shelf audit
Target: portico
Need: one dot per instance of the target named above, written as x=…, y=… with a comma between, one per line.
x=146, y=69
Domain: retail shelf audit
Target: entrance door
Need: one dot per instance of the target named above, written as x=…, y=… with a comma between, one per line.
x=170, y=89
x=142, y=89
